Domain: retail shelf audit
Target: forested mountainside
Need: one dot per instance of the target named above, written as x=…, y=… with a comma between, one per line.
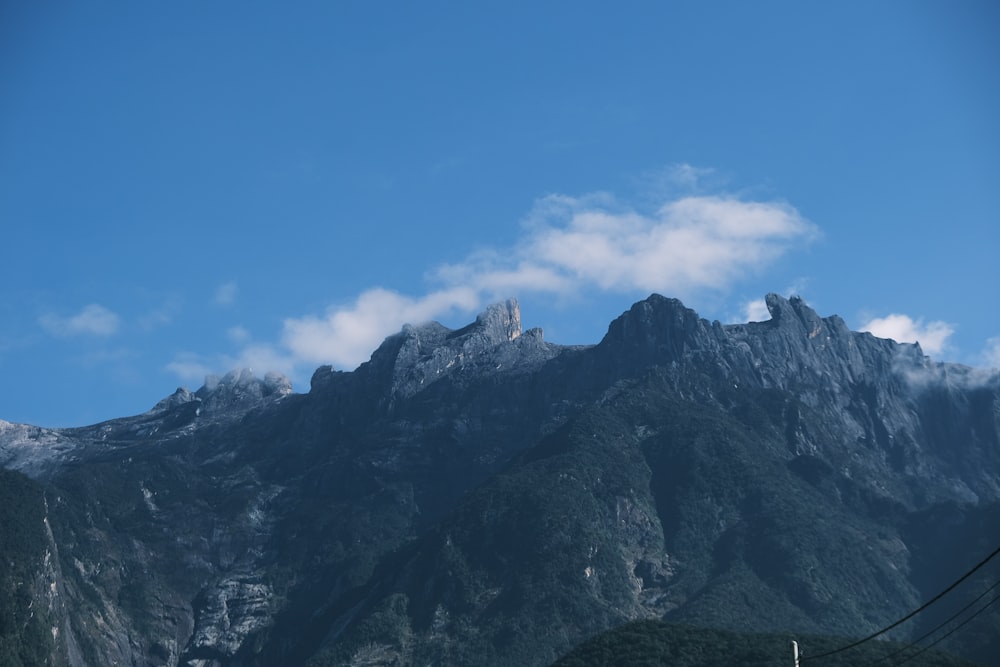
x=481, y=496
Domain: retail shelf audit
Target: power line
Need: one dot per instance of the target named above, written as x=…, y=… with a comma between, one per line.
x=950, y=632
x=908, y=616
x=939, y=626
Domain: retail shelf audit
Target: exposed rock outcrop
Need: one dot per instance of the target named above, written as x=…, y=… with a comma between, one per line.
x=420, y=355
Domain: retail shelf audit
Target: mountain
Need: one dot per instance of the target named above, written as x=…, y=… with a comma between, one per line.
x=483, y=497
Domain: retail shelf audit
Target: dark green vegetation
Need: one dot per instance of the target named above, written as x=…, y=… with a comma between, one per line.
x=25, y=621
x=659, y=644
x=473, y=497
x=648, y=505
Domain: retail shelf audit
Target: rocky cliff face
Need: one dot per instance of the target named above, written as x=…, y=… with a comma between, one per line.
x=879, y=410
x=481, y=496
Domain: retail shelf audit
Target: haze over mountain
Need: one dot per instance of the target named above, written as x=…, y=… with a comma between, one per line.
x=480, y=496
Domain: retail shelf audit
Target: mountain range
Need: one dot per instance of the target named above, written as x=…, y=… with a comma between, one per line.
x=481, y=496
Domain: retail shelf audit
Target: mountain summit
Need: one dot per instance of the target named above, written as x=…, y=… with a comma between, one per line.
x=480, y=496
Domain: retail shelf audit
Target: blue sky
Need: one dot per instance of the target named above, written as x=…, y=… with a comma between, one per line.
x=187, y=187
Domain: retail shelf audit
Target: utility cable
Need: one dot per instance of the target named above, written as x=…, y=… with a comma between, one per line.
x=948, y=620
x=996, y=598
x=908, y=616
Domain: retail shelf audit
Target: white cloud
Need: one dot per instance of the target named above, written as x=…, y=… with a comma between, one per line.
x=225, y=294
x=687, y=245
x=160, y=316
x=347, y=335
x=190, y=367
x=756, y=311
x=932, y=336
x=991, y=354
x=571, y=246
x=262, y=358
x=344, y=336
x=687, y=176
x=94, y=320
x=238, y=334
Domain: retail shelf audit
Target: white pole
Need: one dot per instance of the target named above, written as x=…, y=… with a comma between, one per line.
x=795, y=652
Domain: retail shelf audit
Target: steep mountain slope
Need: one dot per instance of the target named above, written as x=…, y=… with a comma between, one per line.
x=480, y=496
x=26, y=612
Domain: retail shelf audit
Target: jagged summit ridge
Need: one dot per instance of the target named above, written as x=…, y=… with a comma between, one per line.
x=795, y=346
x=239, y=388
x=500, y=322
x=469, y=483
x=417, y=356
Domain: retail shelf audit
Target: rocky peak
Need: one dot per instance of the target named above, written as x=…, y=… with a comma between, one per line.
x=420, y=355
x=795, y=348
x=243, y=379
x=657, y=330
x=797, y=345
x=500, y=322
x=179, y=397
x=795, y=313
x=239, y=388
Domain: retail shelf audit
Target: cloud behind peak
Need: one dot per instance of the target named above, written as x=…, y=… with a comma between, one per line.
x=570, y=247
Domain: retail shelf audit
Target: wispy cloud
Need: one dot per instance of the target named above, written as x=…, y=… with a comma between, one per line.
x=238, y=334
x=570, y=246
x=93, y=320
x=225, y=294
x=991, y=354
x=686, y=245
x=756, y=311
x=932, y=336
x=194, y=368
x=191, y=367
x=678, y=180
x=160, y=316
x=347, y=335
x=263, y=358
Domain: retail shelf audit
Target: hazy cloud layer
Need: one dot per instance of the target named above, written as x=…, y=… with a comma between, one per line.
x=161, y=315
x=225, y=294
x=932, y=336
x=238, y=334
x=93, y=320
x=190, y=367
x=570, y=245
x=991, y=355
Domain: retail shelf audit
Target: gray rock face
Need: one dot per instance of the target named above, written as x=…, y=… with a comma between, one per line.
x=232, y=610
x=421, y=507
x=179, y=397
x=33, y=450
x=421, y=355
x=240, y=390
x=870, y=397
x=39, y=451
